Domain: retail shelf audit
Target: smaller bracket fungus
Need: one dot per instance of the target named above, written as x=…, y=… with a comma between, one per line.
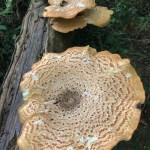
x=67, y=8
x=99, y=16
x=79, y=99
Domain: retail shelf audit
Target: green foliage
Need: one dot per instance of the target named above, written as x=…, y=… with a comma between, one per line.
x=8, y=7
x=126, y=25
x=3, y=27
x=11, y=14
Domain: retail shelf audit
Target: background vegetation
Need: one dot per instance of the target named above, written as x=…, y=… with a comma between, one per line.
x=11, y=15
x=128, y=34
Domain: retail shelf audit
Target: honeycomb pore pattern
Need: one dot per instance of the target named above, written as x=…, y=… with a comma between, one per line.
x=79, y=100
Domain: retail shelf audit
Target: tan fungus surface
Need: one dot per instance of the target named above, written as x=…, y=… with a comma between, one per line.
x=55, y=2
x=79, y=100
x=99, y=16
x=67, y=8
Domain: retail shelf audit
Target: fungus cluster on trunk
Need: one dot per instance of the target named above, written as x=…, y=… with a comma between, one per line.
x=80, y=99
x=68, y=15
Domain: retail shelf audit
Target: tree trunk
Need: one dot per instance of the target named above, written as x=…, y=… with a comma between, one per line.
x=36, y=38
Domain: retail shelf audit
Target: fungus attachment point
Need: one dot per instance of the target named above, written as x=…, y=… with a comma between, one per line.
x=99, y=16
x=67, y=9
x=82, y=100
x=68, y=100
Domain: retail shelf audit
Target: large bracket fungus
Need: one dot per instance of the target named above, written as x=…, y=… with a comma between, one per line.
x=79, y=100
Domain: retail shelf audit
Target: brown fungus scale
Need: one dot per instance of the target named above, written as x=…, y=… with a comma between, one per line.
x=79, y=100
x=67, y=8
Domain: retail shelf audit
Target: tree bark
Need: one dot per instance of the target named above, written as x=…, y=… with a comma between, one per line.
x=35, y=38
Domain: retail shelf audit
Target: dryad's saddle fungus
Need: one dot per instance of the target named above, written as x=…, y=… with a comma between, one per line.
x=67, y=8
x=99, y=16
x=79, y=100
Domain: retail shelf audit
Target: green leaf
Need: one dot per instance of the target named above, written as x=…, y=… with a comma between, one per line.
x=124, y=51
x=3, y=27
x=14, y=36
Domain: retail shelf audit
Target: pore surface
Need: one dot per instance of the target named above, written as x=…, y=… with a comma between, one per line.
x=79, y=100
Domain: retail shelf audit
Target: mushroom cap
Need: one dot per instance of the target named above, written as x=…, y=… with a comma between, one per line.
x=67, y=8
x=99, y=16
x=79, y=99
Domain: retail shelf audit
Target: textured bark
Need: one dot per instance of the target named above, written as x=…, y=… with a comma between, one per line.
x=36, y=38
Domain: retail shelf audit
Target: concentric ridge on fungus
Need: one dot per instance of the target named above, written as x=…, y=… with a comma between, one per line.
x=79, y=100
